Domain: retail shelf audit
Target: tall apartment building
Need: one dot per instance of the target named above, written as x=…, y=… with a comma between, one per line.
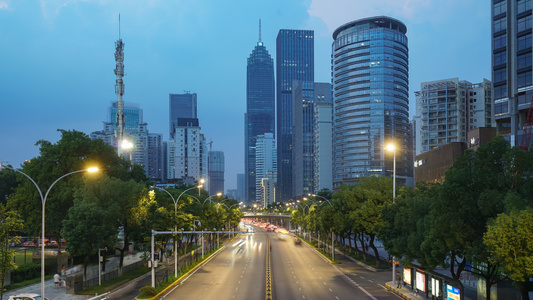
x=448, y=109
x=266, y=162
x=216, y=172
x=294, y=61
x=260, y=109
x=512, y=56
x=267, y=191
x=370, y=66
x=181, y=106
x=322, y=141
x=187, y=155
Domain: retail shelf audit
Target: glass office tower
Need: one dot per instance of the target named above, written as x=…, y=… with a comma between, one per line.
x=294, y=61
x=181, y=106
x=512, y=67
x=260, y=110
x=370, y=69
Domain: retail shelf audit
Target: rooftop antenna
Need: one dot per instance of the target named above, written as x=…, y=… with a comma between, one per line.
x=259, y=30
x=119, y=26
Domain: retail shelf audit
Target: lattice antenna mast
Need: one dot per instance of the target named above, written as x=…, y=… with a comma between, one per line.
x=120, y=132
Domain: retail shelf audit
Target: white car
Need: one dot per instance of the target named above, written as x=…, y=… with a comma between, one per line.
x=27, y=296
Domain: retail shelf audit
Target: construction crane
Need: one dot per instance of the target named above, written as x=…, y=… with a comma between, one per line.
x=526, y=135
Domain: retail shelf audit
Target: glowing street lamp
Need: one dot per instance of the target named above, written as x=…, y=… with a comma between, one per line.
x=43, y=200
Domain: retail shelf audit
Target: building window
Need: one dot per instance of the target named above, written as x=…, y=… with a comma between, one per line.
x=500, y=24
x=500, y=41
x=521, y=6
x=524, y=42
x=523, y=79
x=500, y=7
x=523, y=61
x=500, y=75
x=500, y=58
x=500, y=91
x=500, y=108
x=523, y=23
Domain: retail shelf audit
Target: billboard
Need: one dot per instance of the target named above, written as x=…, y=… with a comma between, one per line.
x=452, y=293
x=407, y=275
x=420, y=280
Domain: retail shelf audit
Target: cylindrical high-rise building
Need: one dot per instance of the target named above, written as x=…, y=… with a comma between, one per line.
x=370, y=67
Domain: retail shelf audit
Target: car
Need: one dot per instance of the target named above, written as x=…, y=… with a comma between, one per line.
x=26, y=296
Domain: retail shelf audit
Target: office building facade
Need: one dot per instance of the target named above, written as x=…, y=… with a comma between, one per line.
x=266, y=161
x=216, y=172
x=294, y=61
x=181, y=106
x=370, y=69
x=448, y=109
x=512, y=67
x=260, y=110
x=302, y=137
x=322, y=138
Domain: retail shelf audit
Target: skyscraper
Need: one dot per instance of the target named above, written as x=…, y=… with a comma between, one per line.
x=216, y=172
x=370, y=68
x=322, y=141
x=294, y=61
x=512, y=67
x=260, y=109
x=181, y=106
x=266, y=161
x=302, y=137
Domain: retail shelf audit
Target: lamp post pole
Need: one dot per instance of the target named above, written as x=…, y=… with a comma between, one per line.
x=43, y=201
x=176, y=225
x=100, y=266
x=392, y=148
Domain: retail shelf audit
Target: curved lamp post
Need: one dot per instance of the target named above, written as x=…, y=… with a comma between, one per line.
x=176, y=225
x=43, y=200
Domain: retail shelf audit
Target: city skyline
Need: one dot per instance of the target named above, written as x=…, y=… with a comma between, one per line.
x=57, y=59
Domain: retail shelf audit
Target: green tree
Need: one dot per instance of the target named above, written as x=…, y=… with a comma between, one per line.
x=74, y=151
x=510, y=242
x=8, y=182
x=87, y=229
x=9, y=224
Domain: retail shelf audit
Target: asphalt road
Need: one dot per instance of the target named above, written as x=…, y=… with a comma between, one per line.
x=298, y=272
x=236, y=272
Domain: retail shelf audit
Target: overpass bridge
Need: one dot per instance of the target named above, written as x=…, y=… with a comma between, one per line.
x=278, y=219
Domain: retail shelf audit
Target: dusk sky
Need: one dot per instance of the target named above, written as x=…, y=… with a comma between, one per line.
x=57, y=59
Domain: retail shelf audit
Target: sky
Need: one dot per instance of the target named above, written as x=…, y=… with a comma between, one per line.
x=57, y=59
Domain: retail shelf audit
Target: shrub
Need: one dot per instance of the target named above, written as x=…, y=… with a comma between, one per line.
x=25, y=272
x=148, y=291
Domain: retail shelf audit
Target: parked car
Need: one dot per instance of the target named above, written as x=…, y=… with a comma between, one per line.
x=26, y=296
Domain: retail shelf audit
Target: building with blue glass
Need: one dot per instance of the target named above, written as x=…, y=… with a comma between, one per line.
x=370, y=68
x=181, y=106
x=512, y=68
x=260, y=110
x=294, y=61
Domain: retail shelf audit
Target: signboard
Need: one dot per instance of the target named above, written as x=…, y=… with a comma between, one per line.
x=452, y=293
x=407, y=275
x=435, y=287
x=420, y=280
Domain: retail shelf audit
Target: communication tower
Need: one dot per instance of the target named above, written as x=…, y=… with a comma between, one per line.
x=120, y=132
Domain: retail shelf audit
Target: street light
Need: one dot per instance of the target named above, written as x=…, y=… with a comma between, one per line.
x=202, y=181
x=43, y=200
x=392, y=147
x=176, y=225
x=126, y=144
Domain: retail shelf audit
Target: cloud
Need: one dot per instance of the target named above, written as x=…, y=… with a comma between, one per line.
x=3, y=5
x=338, y=12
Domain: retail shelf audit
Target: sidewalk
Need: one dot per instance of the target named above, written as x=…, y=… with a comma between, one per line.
x=52, y=293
